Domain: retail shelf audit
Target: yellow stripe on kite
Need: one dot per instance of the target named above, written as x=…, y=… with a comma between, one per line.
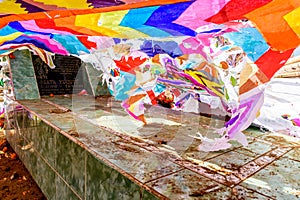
x=70, y=4
x=213, y=86
x=292, y=19
x=9, y=37
x=91, y=22
x=11, y=7
x=112, y=21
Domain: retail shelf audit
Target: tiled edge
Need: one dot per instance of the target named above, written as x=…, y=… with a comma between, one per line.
x=51, y=159
x=276, y=180
x=186, y=184
x=145, y=195
x=294, y=154
x=241, y=192
x=229, y=179
x=89, y=151
x=40, y=158
x=36, y=165
x=260, y=162
x=190, y=185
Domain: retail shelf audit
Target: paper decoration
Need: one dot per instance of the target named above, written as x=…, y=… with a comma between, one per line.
x=173, y=53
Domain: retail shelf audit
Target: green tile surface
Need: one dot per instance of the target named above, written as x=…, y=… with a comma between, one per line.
x=239, y=192
x=281, y=139
x=102, y=164
x=40, y=135
x=103, y=182
x=294, y=154
x=254, y=132
x=25, y=88
x=231, y=160
x=70, y=163
x=29, y=158
x=278, y=180
x=24, y=81
x=17, y=141
x=63, y=191
x=188, y=185
x=21, y=65
x=45, y=143
x=148, y=196
x=141, y=164
x=255, y=149
x=45, y=178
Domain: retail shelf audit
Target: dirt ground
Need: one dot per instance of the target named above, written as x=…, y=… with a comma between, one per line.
x=15, y=181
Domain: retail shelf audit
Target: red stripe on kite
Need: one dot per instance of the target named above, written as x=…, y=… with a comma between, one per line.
x=84, y=40
x=270, y=62
x=50, y=24
x=235, y=9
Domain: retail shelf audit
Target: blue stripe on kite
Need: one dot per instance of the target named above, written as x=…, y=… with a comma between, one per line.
x=71, y=43
x=136, y=19
x=250, y=40
x=168, y=13
x=153, y=32
x=3, y=51
x=151, y=48
x=163, y=17
x=20, y=28
x=7, y=30
x=25, y=39
x=212, y=31
x=178, y=30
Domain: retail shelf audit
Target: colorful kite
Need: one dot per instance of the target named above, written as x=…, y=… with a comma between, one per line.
x=173, y=53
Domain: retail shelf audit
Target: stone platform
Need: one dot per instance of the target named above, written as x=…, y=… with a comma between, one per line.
x=79, y=147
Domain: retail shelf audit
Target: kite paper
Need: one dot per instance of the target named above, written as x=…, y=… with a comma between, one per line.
x=175, y=54
x=281, y=109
